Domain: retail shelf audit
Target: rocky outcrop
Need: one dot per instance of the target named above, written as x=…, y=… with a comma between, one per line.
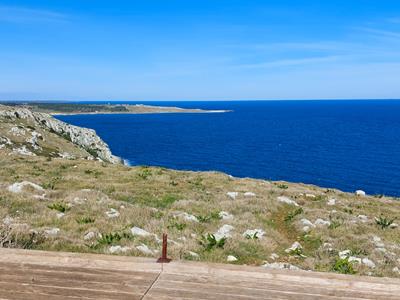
x=83, y=137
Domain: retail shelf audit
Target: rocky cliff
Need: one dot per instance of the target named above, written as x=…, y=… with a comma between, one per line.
x=85, y=138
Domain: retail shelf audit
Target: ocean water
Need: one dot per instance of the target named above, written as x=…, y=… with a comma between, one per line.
x=347, y=145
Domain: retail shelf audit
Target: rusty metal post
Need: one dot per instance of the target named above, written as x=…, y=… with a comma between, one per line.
x=164, y=255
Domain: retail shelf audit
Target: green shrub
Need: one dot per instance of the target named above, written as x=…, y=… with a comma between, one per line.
x=209, y=217
x=209, y=242
x=343, y=266
x=384, y=222
x=59, y=206
x=291, y=215
x=85, y=220
x=283, y=186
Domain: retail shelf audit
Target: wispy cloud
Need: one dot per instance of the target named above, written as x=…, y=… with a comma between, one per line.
x=382, y=33
x=17, y=14
x=291, y=62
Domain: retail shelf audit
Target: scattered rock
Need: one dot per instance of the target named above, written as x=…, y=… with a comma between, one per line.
x=295, y=247
x=140, y=232
x=112, y=213
x=306, y=222
x=20, y=187
x=60, y=215
x=393, y=225
x=280, y=266
x=89, y=236
x=369, y=263
x=118, y=249
x=231, y=258
x=8, y=221
x=354, y=259
x=254, y=233
x=187, y=217
x=274, y=256
x=23, y=151
x=223, y=232
x=378, y=242
x=225, y=215
x=310, y=196
x=145, y=250
x=193, y=254
x=249, y=194
x=52, y=232
x=363, y=218
x=360, y=193
x=344, y=254
x=16, y=131
x=232, y=195
x=321, y=222
x=331, y=202
x=287, y=200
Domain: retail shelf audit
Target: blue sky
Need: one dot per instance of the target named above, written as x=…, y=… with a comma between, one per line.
x=199, y=49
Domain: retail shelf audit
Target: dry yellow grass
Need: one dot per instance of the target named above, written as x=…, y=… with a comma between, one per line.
x=155, y=199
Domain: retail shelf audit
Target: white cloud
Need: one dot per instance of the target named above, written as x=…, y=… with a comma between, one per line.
x=291, y=62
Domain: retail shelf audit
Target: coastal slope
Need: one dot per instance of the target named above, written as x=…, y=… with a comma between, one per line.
x=57, y=193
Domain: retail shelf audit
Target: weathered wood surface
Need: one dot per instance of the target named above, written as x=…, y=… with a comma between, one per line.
x=53, y=275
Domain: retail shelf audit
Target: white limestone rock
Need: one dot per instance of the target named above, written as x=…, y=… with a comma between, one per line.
x=231, y=258
x=249, y=194
x=223, y=232
x=52, y=232
x=363, y=218
x=232, y=195
x=321, y=222
x=274, y=256
x=331, y=202
x=295, y=247
x=369, y=263
x=140, y=232
x=89, y=236
x=193, y=254
x=307, y=222
x=360, y=193
x=344, y=254
x=20, y=187
x=145, y=250
x=23, y=151
x=225, y=215
x=188, y=217
x=112, y=213
x=287, y=200
x=118, y=249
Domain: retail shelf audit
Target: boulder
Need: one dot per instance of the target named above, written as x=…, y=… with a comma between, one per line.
x=360, y=193
x=231, y=258
x=118, y=249
x=145, y=250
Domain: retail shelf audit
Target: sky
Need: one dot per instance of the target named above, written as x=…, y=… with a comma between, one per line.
x=199, y=49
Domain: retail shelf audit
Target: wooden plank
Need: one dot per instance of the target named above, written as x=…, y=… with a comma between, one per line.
x=213, y=282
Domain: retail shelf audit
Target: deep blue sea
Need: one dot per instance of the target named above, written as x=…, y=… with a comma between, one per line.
x=347, y=145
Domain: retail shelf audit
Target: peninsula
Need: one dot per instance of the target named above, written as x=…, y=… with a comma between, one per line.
x=70, y=108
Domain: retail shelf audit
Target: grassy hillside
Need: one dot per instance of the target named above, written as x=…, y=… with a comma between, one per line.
x=75, y=204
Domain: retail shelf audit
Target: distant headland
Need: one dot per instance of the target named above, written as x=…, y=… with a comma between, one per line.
x=78, y=108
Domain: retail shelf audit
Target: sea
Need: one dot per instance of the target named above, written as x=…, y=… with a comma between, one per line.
x=343, y=144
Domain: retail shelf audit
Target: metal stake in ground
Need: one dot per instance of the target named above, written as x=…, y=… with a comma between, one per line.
x=164, y=256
